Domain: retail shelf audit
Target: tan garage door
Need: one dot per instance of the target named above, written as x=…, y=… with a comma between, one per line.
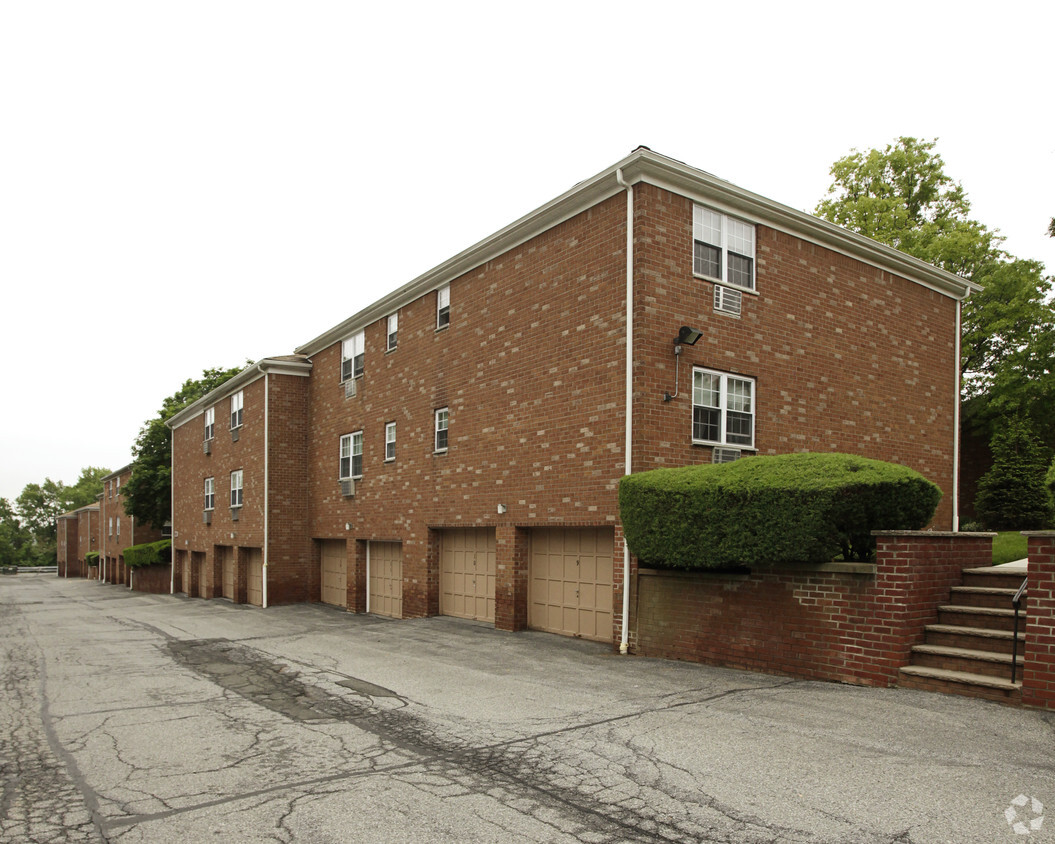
x=227, y=563
x=570, y=589
x=386, y=578
x=334, y=580
x=467, y=573
x=255, y=577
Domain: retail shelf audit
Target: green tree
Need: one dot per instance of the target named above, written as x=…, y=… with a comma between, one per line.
x=148, y=493
x=902, y=196
x=16, y=542
x=87, y=488
x=1013, y=494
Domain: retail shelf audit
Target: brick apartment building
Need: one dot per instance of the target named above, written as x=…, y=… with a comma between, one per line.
x=455, y=447
x=118, y=530
x=77, y=533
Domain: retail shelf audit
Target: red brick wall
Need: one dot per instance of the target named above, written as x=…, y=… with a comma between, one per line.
x=289, y=553
x=113, y=508
x=87, y=534
x=847, y=357
x=1038, y=674
x=66, y=547
x=153, y=579
x=532, y=369
x=822, y=624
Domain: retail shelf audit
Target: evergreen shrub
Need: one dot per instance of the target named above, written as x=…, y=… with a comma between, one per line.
x=770, y=510
x=92, y=558
x=149, y=553
x=1013, y=494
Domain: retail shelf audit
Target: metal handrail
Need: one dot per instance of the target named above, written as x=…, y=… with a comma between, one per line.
x=1016, y=602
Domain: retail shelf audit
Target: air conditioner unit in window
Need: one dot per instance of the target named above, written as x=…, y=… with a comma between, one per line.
x=727, y=300
x=725, y=455
x=235, y=434
x=235, y=511
x=206, y=517
x=351, y=388
x=348, y=488
x=206, y=446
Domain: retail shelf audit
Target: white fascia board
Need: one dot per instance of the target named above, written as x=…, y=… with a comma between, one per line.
x=643, y=165
x=120, y=471
x=253, y=372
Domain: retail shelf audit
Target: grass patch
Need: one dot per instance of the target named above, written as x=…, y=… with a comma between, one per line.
x=1008, y=546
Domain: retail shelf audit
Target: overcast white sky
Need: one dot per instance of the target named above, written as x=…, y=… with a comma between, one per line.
x=188, y=185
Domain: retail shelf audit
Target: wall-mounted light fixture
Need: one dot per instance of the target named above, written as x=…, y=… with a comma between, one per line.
x=686, y=337
x=501, y=509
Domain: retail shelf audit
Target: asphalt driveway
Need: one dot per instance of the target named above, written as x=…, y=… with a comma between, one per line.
x=128, y=717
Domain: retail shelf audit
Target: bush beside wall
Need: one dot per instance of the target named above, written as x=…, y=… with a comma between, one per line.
x=789, y=508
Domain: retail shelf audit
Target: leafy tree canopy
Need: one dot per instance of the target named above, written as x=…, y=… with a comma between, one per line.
x=148, y=493
x=902, y=196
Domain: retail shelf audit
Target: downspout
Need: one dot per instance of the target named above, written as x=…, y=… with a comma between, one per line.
x=66, y=544
x=172, y=514
x=368, y=575
x=624, y=645
x=956, y=425
x=267, y=448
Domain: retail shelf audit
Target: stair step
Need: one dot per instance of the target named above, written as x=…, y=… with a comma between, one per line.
x=993, y=576
x=973, y=638
x=960, y=683
x=965, y=660
x=993, y=618
x=983, y=596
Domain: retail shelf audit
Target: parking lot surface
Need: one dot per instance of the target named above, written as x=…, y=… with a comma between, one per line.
x=145, y=718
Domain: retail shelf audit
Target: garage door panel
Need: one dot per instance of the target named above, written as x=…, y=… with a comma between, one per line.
x=255, y=577
x=333, y=581
x=468, y=573
x=386, y=579
x=571, y=574
x=228, y=573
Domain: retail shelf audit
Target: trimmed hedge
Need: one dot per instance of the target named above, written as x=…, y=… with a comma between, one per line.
x=763, y=510
x=149, y=553
x=92, y=558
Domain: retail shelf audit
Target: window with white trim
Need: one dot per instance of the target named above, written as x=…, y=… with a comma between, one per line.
x=118, y=527
x=723, y=248
x=443, y=307
x=390, y=442
x=353, y=356
x=393, y=331
x=236, y=410
x=210, y=494
x=351, y=465
x=723, y=409
x=236, y=488
x=109, y=489
x=111, y=529
x=210, y=423
x=442, y=421
x=118, y=490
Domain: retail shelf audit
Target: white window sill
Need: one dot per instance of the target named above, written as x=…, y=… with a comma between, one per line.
x=713, y=280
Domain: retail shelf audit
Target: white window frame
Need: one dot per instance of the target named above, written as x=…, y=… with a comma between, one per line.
x=392, y=338
x=736, y=239
x=443, y=307
x=210, y=423
x=353, y=356
x=357, y=453
x=111, y=529
x=236, y=488
x=118, y=527
x=730, y=400
x=345, y=457
x=210, y=493
x=118, y=490
x=441, y=425
x=390, y=442
x=237, y=402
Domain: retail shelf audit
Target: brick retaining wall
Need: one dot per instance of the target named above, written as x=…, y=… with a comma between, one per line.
x=853, y=623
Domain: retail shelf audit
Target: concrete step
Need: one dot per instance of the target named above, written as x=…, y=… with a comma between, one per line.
x=991, y=618
x=986, y=663
x=975, y=638
x=960, y=683
x=992, y=577
x=983, y=596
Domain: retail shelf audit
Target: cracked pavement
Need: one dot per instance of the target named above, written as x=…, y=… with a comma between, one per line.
x=139, y=718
